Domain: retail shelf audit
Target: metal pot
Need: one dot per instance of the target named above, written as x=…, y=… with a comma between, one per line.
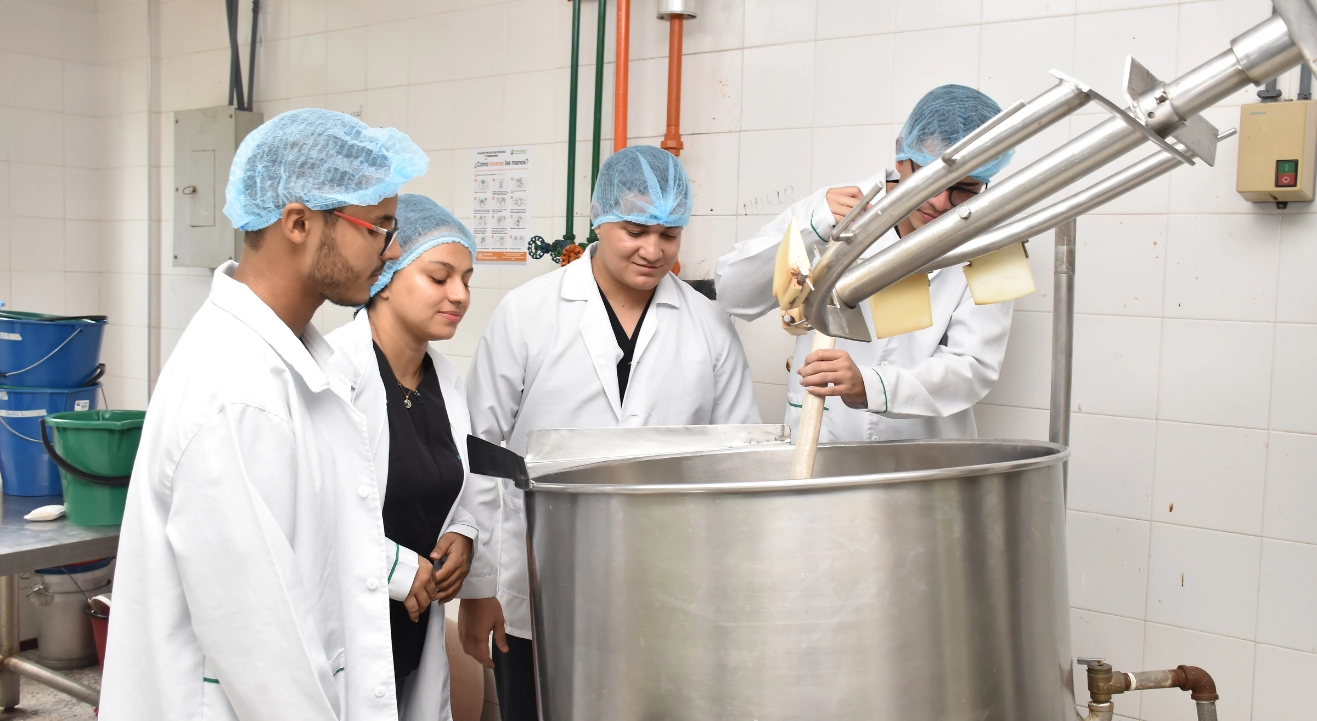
x=908, y=580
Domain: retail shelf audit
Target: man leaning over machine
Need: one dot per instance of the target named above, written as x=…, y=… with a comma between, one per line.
x=920, y=384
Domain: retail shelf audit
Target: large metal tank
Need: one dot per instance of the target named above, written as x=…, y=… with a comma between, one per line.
x=921, y=580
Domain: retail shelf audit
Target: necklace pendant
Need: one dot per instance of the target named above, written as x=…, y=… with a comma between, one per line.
x=407, y=402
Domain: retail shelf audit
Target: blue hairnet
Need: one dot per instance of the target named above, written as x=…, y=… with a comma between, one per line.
x=941, y=119
x=422, y=224
x=321, y=158
x=642, y=184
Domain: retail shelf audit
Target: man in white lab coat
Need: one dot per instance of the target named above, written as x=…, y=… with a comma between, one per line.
x=252, y=561
x=915, y=385
x=612, y=340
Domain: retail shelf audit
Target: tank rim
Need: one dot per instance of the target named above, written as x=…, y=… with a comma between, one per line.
x=1054, y=454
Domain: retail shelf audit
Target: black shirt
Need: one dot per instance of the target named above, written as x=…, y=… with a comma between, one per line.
x=425, y=478
x=626, y=343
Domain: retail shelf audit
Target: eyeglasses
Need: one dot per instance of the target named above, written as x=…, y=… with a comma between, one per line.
x=386, y=232
x=959, y=194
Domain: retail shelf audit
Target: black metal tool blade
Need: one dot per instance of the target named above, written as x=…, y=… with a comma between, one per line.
x=490, y=459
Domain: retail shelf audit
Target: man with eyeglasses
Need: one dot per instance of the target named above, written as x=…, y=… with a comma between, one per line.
x=253, y=567
x=922, y=384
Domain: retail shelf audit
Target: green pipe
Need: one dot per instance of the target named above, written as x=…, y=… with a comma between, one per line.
x=568, y=235
x=598, y=104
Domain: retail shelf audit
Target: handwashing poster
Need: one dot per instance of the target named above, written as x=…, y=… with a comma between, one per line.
x=500, y=203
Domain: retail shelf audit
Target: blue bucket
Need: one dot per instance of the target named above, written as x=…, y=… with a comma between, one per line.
x=50, y=351
x=25, y=469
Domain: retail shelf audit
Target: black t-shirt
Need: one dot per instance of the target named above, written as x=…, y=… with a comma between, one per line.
x=425, y=478
x=626, y=343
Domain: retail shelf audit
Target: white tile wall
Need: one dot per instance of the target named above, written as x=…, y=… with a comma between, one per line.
x=1210, y=477
x=1115, y=370
x=997, y=10
x=1294, y=388
x=919, y=15
x=1196, y=309
x=1010, y=70
x=834, y=94
x=1104, y=39
x=1112, y=465
x=1290, y=510
x=1225, y=273
x=69, y=74
x=766, y=73
x=1296, y=295
x=1011, y=422
x=1203, y=580
x=848, y=155
x=1278, y=673
x=1026, y=371
x=774, y=170
x=1120, y=263
x=849, y=18
x=1192, y=386
x=773, y=22
x=1285, y=601
x=1108, y=563
x=938, y=57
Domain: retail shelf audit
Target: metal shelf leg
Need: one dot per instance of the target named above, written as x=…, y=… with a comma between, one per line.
x=8, y=639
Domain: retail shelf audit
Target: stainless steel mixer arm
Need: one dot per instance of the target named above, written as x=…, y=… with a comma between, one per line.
x=1010, y=128
x=1256, y=56
x=1096, y=195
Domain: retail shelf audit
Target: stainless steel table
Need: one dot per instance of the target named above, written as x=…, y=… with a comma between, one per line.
x=28, y=545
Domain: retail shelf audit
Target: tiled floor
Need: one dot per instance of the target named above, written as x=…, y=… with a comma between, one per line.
x=44, y=704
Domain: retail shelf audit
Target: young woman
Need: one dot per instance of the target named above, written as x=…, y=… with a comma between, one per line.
x=437, y=517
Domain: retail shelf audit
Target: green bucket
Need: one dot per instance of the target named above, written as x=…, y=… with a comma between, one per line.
x=94, y=451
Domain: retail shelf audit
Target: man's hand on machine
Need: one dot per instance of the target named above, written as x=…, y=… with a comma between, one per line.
x=833, y=373
x=476, y=619
x=842, y=200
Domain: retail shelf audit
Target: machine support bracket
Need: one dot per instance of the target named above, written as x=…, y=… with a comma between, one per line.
x=1128, y=119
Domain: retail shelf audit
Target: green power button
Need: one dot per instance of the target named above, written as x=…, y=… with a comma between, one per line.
x=1287, y=166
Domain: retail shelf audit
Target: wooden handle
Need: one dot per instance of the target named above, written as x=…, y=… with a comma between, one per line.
x=811, y=420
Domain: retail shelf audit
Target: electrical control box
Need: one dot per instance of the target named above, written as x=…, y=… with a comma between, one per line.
x=204, y=143
x=1277, y=146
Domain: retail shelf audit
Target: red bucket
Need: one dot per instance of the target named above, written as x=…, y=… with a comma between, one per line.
x=98, y=610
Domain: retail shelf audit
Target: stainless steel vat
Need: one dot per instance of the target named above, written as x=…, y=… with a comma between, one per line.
x=908, y=581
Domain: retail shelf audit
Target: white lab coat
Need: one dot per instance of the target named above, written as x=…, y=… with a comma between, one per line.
x=474, y=515
x=252, y=558
x=919, y=385
x=548, y=359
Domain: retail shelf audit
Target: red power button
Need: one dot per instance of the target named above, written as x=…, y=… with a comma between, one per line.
x=1287, y=173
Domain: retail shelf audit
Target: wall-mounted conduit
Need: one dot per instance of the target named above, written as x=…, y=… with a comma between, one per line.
x=675, y=12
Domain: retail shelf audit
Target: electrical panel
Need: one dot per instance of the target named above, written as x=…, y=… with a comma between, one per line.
x=1277, y=146
x=204, y=143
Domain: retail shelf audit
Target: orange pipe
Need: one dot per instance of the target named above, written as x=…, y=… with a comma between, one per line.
x=672, y=139
x=621, y=70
